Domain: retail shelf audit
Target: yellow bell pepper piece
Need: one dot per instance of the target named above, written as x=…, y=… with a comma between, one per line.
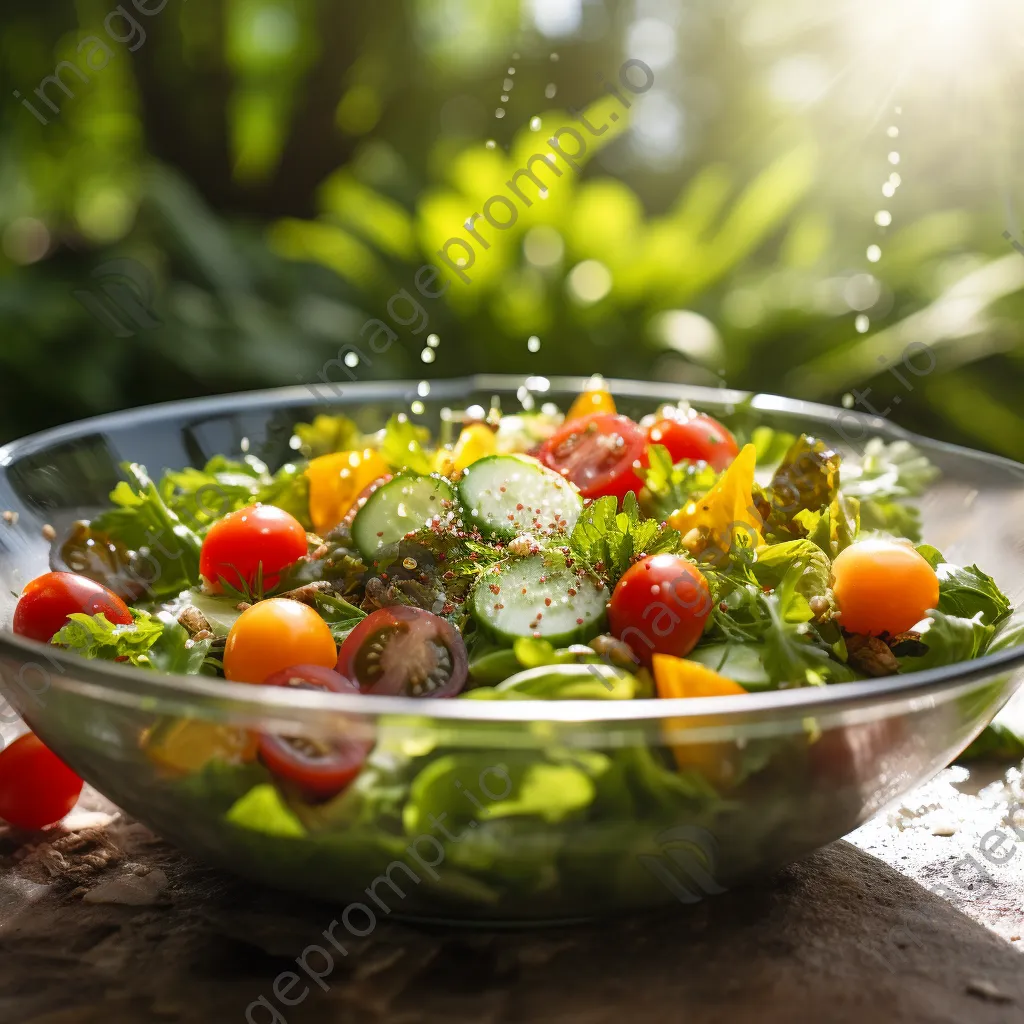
x=591, y=401
x=335, y=481
x=475, y=442
x=185, y=745
x=726, y=516
x=677, y=677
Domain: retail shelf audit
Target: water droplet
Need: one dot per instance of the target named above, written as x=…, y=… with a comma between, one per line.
x=862, y=323
x=888, y=190
x=874, y=253
x=507, y=85
x=433, y=340
x=427, y=355
x=550, y=90
x=499, y=112
x=490, y=144
x=423, y=388
x=533, y=343
x=295, y=442
x=895, y=180
x=892, y=131
x=351, y=359
x=883, y=218
x=417, y=408
x=899, y=110
x=534, y=124
x=894, y=158
x=847, y=401
x=504, y=97
x=511, y=71
x=554, y=56
x=543, y=193
x=515, y=56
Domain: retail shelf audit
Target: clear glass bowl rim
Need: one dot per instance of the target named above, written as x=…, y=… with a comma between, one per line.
x=134, y=687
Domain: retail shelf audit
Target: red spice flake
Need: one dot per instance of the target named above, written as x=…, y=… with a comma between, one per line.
x=524, y=590
x=579, y=622
x=536, y=635
x=519, y=507
x=547, y=601
x=448, y=609
x=540, y=615
x=494, y=588
x=473, y=556
x=572, y=591
x=449, y=575
x=380, y=533
x=511, y=517
x=498, y=607
x=384, y=576
x=722, y=606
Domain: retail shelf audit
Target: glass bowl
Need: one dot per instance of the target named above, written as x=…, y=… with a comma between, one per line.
x=485, y=810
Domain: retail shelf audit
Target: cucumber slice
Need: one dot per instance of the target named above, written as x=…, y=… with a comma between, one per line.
x=402, y=505
x=538, y=596
x=508, y=495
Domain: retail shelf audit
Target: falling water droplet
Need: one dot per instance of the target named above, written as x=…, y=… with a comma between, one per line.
x=895, y=180
x=894, y=158
x=883, y=218
x=862, y=323
x=899, y=110
x=416, y=409
x=554, y=56
x=874, y=253
x=351, y=359
x=543, y=193
x=534, y=124
x=550, y=90
x=499, y=112
x=888, y=190
x=515, y=56
x=507, y=85
x=423, y=388
x=433, y=340
x=511, y=71
x=893, y=131
x=504, y=97
x=491, y=144
x=427, y=355
x=533, y=343
x=847, y=400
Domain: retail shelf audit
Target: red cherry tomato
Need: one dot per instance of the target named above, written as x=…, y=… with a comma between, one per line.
x=36, y=787
x=597, y=453
x=407, y=652
x=659, y=606
x=696, y=437
x=47, y=602
x=237, y=545
x=321, y=768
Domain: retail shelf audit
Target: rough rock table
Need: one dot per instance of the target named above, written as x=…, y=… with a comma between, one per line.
x=103, y=923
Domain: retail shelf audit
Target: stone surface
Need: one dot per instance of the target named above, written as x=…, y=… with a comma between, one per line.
x=850, y=934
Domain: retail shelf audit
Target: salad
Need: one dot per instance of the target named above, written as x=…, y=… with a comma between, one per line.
x=585, y=556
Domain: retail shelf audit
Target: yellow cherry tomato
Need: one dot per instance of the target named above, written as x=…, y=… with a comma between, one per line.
x=883, y=586
x=274, y=635
x=677, y=677
x=185, y=745
x=335, y=481
x=726, y=516
x=591, y=401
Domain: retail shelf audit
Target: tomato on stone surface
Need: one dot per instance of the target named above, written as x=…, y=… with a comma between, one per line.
x=319, y=767
x=274, y=635
x=598, y=453
x=883, y=586
x=254, y=539
x=403, y=651
x=660, y=606
x=48, y=601
x=36, y=787
x=694, y=436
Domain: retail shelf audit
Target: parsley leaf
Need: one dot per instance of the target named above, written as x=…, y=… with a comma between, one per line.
x=810, y=562
x=608, y=541
x=669, y=487
x=966, y=592
x=326, y=435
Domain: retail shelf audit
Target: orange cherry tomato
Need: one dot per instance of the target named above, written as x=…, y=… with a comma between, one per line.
x=591, y=401
x=48, y=600
x=336, y=481
x=274, y=635
x=883, y=586
x=254, y=539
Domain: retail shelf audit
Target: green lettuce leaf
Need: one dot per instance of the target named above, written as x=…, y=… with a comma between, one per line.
x=401, y=445
x=966, y=592
x=775, y=561
x=997, y=742
x=947, y=639
x=668, y=487
x=326, y=435
x=262, y=809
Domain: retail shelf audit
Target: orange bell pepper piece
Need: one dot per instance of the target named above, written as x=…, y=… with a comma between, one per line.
x=335, y=481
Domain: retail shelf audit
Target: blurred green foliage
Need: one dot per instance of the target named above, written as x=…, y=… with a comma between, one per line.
x=281, y=168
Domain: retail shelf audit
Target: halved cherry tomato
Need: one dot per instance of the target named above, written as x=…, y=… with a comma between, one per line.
x=694, y=436
x=36, y=787
x=48, y=600
x=589, y=402
x=883, y=586
x=660, y=606
x=598, y=454
x=239, y=544
x=402, y=651
x=271, y=636
x=321, y=768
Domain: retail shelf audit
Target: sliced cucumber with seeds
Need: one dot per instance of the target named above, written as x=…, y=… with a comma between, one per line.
x=508, y=495
x=538, y=596
x=402, y=505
